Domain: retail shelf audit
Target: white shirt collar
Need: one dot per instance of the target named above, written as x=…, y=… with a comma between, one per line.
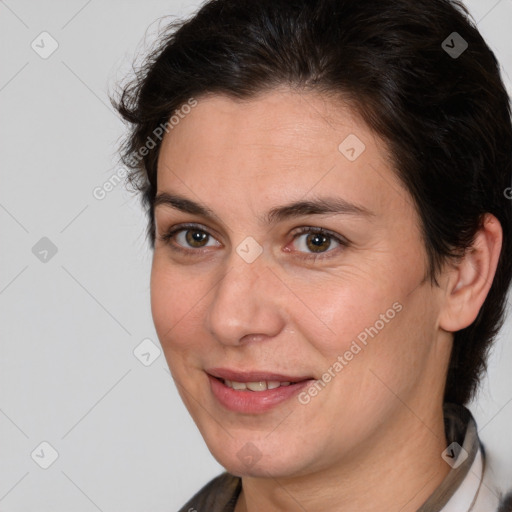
x=477, y=491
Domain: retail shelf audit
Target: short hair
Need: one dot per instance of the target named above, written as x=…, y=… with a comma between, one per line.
x=403, y=66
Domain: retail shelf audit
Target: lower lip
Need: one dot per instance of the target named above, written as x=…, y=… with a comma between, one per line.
x=254, y=402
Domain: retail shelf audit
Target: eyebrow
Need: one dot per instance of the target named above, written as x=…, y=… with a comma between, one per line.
x=316, y=206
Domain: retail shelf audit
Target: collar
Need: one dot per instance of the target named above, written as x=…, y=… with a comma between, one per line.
x=467, y=487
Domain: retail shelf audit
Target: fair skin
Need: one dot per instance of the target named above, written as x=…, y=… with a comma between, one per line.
x=372, y=438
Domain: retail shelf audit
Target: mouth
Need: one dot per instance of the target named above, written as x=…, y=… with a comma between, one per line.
x=261, y=385
x=253, y=392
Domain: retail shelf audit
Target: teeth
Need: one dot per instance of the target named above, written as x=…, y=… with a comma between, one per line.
x=255, y=386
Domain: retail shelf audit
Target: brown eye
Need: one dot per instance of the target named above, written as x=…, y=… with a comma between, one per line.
x=317, y=241
x=188, y=238
x=195, y=237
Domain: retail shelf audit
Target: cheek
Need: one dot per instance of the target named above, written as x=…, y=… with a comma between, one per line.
x=341, y=309
x=382, y=304
x=364, y=323
x=175, y=303
x=386, y=353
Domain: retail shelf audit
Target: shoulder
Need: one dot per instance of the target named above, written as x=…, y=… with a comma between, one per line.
x=219, y=494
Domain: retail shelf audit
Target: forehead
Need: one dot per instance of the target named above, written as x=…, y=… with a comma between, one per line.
x=280, y=118
x=279, y=144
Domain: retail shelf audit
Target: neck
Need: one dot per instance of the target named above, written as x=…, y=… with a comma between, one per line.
x=396, y=470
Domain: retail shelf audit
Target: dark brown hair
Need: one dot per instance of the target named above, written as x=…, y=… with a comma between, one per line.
x=441, y=108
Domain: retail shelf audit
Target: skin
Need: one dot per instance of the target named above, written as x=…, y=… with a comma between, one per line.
x=377, y=425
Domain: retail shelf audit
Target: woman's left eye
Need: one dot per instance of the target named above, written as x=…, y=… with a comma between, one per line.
x=317, y=241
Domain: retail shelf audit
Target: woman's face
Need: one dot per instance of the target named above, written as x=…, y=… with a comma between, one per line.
x=248, y=291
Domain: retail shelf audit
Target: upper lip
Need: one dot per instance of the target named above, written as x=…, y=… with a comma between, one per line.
x=253, y=376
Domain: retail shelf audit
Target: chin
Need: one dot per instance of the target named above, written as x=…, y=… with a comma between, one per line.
x=245, y=460
x=259, y=469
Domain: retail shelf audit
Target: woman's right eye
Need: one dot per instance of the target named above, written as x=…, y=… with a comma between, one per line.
x=188, y=238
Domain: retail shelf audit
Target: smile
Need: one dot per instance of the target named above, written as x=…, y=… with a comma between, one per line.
x=261, y=385
x=253, y=392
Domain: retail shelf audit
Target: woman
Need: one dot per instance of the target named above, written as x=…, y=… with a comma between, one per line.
x=325, y=183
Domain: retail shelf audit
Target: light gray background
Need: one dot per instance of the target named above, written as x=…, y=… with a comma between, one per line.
x=69, y=326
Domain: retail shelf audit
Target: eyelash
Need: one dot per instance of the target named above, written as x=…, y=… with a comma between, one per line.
x=168, y=236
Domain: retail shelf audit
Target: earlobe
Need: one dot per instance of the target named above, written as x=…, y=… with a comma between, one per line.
x=471, y=278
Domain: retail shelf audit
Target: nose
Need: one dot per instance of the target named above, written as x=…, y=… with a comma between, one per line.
x=246, y=303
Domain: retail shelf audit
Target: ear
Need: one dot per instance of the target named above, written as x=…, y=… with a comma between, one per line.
x=469, y=281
